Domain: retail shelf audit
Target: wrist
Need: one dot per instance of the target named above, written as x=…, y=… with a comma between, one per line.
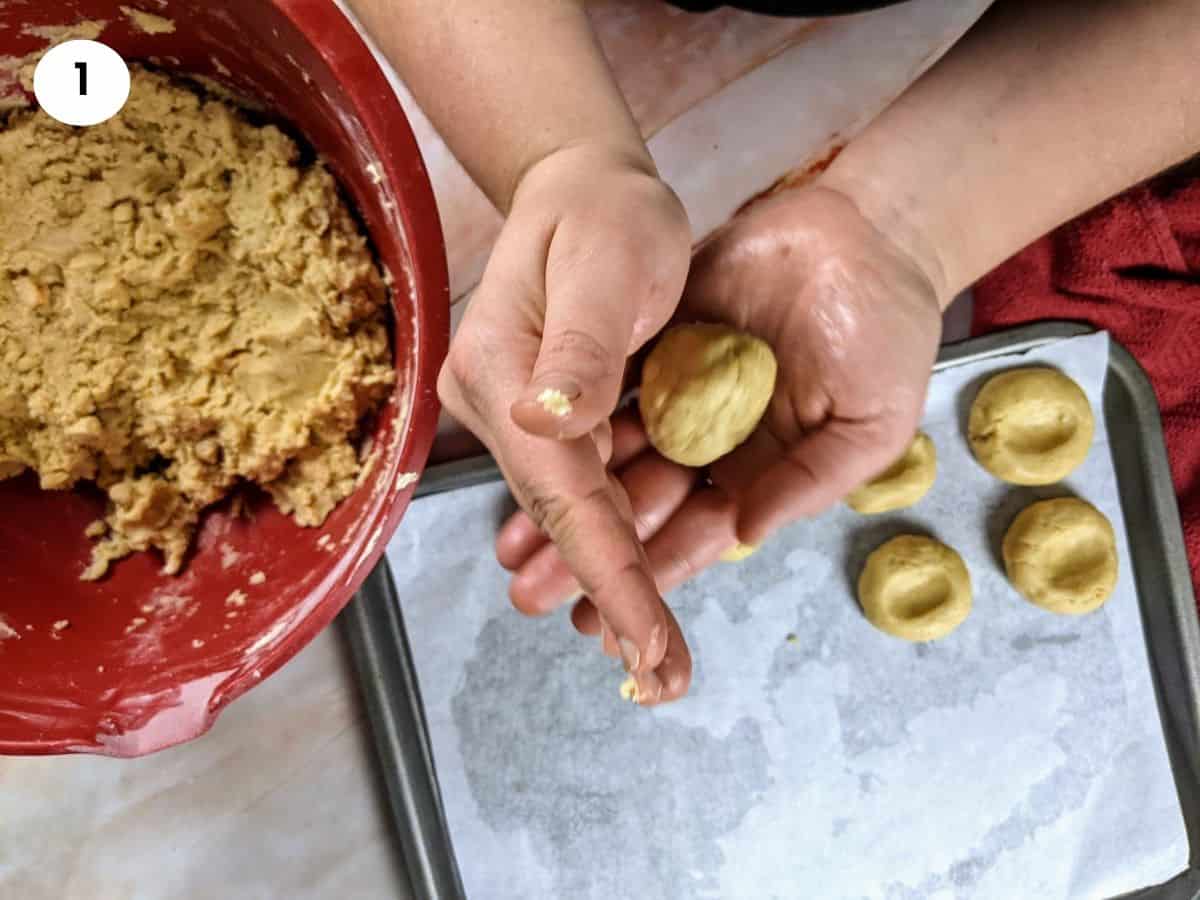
x=581, y=160
x=905, y=217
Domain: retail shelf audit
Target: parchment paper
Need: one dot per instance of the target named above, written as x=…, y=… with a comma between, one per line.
x=1021, y=757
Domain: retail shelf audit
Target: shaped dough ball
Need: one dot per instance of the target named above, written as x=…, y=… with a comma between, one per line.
x=1031, y=426
x=704, y=390
x=905, y=482
x=1062, y=555
x=738, y=552
x=915, y=588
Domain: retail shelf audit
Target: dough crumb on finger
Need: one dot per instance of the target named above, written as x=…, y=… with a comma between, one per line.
x=629, y=689
x=1061, y=555
x=738, y=552
x=915, y=588
x=902, y=484
x=555, y=402
x=705, y=387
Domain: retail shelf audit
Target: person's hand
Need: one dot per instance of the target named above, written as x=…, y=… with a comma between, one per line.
x=855, y=324
x=590, y=264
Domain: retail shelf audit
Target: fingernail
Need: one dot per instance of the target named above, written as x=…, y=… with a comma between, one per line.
x=649, y=688
x=630, y=655
x=556, y=395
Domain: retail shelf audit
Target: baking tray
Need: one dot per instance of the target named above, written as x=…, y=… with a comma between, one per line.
x=375, y=628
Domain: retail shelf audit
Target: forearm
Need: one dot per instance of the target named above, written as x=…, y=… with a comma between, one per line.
x=506, y=84
x=1042, y=111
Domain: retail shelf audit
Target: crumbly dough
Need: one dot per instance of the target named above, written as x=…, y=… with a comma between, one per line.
x=738, y=552
x=1062, y=555
x=555, y=402
x=915, y=588
x=184, y=305
x=902, y=484
x=704, y=390
x=629, y=690
x=1031, y=426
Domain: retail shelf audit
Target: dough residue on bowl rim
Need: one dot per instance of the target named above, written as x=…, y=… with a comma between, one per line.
x=16, y=72
x=148, y=23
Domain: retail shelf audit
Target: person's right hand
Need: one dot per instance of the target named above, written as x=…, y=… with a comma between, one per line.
x=589, y=266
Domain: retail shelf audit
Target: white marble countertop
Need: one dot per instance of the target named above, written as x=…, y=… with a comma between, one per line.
x=280, y=799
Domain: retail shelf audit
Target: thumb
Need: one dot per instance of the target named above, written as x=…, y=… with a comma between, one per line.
x=576, y=380
x=606, y=295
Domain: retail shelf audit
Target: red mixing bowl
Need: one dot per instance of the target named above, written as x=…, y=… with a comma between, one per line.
x=140, y=660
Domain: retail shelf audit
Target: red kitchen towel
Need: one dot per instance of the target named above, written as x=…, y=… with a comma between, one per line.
x=1132, y=267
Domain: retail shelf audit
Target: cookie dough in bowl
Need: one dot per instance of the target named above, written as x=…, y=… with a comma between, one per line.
x=704, y=389
x=185, y=305
x=1031, y=426
x=141, y=659
x=902, y=484
x=1062, y=555
x=915, y=588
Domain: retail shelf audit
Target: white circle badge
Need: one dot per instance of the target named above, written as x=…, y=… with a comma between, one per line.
x=81, y=82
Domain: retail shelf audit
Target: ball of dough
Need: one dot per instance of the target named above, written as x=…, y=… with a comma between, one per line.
x=704, y=389
x=1031, y=426
x=915, y=588
x=738, y=552
x=905, y=482
x=1062, y=555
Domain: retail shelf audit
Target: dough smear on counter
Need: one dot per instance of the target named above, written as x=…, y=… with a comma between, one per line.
x=185, y=305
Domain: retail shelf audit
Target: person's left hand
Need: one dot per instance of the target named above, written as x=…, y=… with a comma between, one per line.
x=854, y=323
